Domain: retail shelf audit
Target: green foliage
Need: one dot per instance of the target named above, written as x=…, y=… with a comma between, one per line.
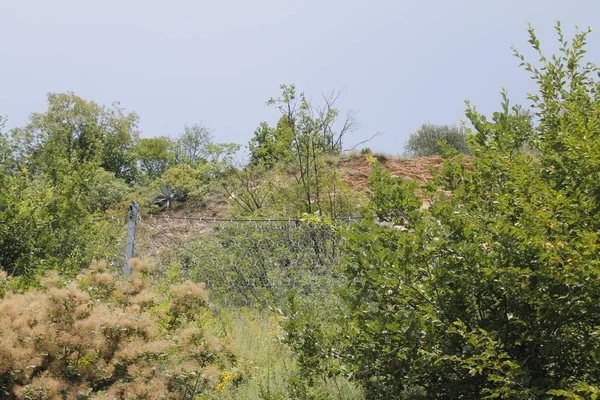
x=257, y=263
x=191, y=182
x=258, y=191
x=76, y=132
x=251, y=189
x=305, y=133
x=192, y=146
x=196, y=147
x=5, y=151
x=58, y=172
x=492, y=291
x=431, y=140
x=269, y=145
x=105, y=191
x=48, y=225
x=155, y=156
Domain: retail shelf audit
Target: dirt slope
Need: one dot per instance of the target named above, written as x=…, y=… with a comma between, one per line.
x=169, y=230
x=356, y=169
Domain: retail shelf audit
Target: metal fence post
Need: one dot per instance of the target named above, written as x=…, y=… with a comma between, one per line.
x=132, y=215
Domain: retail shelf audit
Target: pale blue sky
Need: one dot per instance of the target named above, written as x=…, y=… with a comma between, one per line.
x=402, y=63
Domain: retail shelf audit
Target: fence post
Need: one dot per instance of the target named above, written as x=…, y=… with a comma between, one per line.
x=132, y=215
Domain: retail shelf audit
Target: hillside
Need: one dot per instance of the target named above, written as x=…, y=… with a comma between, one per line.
x=354, y=169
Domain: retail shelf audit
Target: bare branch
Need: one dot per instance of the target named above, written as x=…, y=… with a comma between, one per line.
x=364, y=141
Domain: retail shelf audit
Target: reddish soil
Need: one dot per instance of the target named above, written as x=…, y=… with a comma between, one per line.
x=356, y=170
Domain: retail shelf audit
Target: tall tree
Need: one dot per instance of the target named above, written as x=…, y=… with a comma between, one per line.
x=304, y=133
x=196, y=147
x=192, y=146
x=301, y=120
x=74, y=131
x=55, y=180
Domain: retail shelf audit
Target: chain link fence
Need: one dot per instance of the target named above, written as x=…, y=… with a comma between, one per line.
x=253, y=263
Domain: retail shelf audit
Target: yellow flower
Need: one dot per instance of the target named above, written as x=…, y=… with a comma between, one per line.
x=225, y=379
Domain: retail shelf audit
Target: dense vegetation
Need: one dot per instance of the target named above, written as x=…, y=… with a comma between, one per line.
x=490, y=291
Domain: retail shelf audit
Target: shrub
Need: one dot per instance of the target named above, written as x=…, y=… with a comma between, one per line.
x=103, y=337
x=169, y=196
x=50, y=226
x=256, y=264
x=106, y=191
x=191, y=182
x=430, y=140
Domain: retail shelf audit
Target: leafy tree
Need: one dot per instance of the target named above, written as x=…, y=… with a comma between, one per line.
x=300, y=119
x=193, y=145
x=104, y=190
x=53, y=183
x=271, y=145
x=4, y=147
x=305, y=133
x=251, y=189
x=18, y=148
x=155, y=156
x=493, y=291
x=196, y=146
x=74, y=132
x=430, y=140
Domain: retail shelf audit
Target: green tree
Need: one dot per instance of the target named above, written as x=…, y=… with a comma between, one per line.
x=305, y=133
x=47, y=222
x=53, y=184
x=192, y=146
x=196, y=146
x=493, y=291
x=430, y=140
x=155, y=156
x=300, y=120
x=198, y=161
x=5, y=150
x=74, y=132
x=269, y=145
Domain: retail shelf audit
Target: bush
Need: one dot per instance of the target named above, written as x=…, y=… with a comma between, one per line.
x=492, y=291
x=102, y=337
x=431, y=140
x=50, y=226
x=106, y=191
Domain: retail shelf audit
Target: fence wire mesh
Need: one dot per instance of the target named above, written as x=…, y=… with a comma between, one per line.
x=245, y=262
x=111, y=240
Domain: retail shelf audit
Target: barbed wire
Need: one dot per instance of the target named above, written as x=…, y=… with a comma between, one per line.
x=206, y=219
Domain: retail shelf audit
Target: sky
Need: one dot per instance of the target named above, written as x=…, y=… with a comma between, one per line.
x=399, y=63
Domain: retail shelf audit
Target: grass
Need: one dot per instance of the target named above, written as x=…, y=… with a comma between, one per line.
x=270, y=363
